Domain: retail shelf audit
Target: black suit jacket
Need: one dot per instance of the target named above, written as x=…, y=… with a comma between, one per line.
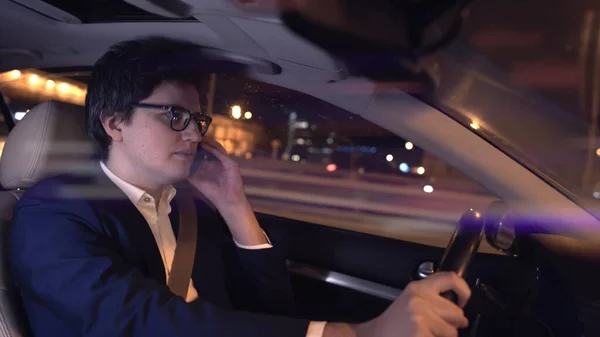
x=86, y=264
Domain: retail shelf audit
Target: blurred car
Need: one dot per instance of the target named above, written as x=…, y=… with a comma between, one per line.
x=365, y=193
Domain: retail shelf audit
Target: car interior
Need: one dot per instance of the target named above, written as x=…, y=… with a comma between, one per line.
x=529, y=256
x=358, y=289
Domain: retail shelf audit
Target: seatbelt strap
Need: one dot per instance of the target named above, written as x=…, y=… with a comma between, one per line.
x=183, y=258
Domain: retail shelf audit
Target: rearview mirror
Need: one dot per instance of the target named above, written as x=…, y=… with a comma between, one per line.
x=404, y=31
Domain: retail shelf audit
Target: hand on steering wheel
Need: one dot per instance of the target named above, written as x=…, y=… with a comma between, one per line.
x=421, y=311
x=462, y=246
x=433, y=306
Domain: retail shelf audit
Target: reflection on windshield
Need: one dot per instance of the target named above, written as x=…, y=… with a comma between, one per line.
x=530, y=83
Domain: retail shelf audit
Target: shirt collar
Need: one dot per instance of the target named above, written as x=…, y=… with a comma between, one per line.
x=134, y=193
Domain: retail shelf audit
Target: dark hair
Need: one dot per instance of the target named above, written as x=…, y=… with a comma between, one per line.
x=127, y=74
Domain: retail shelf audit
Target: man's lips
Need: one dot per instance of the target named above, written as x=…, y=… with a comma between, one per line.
x=185, y=154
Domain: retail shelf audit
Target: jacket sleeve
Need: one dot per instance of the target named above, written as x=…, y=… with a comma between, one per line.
x=258, y=279
x=60, y=257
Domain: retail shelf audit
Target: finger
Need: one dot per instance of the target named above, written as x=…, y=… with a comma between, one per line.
x=444, y=281
x=215, y=144
x=438, y=327
x=221, y=154
x=447, y=310
x=223, y=157
x=425, y=332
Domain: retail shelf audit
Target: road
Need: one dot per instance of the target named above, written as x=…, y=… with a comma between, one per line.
x=400, y=210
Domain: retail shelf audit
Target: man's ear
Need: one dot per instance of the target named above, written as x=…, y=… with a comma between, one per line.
x=113, y=127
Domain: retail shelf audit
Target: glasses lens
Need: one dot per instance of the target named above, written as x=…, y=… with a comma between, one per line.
x=203, y=126
x=179, y=119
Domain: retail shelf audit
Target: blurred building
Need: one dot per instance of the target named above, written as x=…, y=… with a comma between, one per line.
x=36, y=86
x=238, y=137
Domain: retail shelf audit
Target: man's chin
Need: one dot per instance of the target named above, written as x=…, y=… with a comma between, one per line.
x=182, y=172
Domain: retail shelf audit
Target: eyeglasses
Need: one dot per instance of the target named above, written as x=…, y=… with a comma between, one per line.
x=179, y=117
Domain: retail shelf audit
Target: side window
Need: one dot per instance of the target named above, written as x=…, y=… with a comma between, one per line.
x=23, y=89
x=305, y=159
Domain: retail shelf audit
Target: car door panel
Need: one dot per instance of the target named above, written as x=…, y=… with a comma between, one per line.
x=318, y=254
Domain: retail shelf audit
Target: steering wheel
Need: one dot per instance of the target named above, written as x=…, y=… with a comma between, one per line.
x=462, y=246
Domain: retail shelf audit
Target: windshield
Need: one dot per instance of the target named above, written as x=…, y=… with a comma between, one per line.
x=528, y=80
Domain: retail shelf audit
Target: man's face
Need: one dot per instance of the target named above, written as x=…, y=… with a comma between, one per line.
x=164, y=154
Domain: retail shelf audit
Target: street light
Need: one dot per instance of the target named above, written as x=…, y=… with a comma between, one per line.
x=236, y=112
x=19, y=115
x=63, y=87
x=14, y=74
x=301, y=125
x=248, y=115
x=409, y=146
x=34, y=79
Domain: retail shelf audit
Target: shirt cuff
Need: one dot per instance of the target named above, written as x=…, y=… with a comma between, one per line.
x=256, y=247
x=315, y=329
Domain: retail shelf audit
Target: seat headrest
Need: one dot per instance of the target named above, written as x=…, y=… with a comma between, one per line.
x=48, y=141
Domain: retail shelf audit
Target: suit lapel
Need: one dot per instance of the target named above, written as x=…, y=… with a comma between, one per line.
x=136, y=228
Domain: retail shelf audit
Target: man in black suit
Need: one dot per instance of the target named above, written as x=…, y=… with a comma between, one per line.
x=98, y=264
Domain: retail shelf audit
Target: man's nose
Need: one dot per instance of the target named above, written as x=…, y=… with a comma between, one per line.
x=192, y=132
